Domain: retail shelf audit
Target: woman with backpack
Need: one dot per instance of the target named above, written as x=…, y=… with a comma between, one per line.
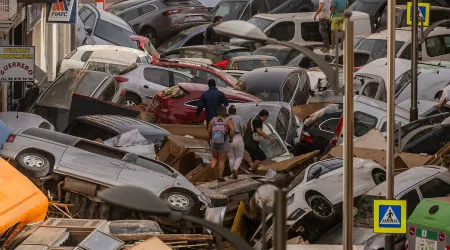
x=221, y=134
x=236, y=148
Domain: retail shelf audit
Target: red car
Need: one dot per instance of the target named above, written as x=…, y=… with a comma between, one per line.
x=201, y=72
x=178, y=104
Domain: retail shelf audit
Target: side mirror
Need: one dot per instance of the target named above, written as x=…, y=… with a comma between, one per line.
x=317, y=173
x=88, y=30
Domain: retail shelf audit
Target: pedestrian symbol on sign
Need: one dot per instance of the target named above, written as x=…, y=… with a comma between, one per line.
x=389, y=217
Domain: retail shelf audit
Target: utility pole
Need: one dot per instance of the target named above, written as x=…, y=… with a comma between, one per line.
x=347, y=232
x=413, y=112
x=389, y=238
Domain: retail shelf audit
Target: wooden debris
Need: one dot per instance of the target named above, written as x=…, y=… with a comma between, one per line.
x=166, y=237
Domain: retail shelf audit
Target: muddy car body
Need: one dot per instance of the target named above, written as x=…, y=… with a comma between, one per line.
x=179, y=104
x=413, y=185
x=84, y=167
x=249, y=63
x=17, y=121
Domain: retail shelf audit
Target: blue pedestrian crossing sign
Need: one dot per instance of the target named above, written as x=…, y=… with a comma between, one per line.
x=423, y=18
x=389, y=216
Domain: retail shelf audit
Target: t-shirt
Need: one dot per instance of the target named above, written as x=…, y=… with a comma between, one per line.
x=340, y=7
x=238, y=124
x=325, y=12
x=248, y=135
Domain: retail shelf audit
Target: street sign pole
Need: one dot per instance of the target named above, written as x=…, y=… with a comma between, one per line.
x=347, y=232
x=389, y=240
x=413, y=112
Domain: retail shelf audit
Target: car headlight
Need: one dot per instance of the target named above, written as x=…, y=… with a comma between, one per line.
x=296, y=214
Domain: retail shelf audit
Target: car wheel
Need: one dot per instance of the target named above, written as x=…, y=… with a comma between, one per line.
x=132, y=100
x=180, y=201
x=320, y=206
x=35, y=162
x=150, y=34
x=379, y=177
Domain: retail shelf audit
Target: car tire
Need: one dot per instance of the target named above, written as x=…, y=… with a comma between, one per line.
x=320, y=206
x=132, y=100
x=150, y=33
x=378, y=176
x=179, y=201
x=36, y=163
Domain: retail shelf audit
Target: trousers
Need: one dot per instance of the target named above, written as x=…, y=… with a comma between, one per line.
x=236, y=152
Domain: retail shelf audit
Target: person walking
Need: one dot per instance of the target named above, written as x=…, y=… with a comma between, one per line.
x=236, y=148
x=337, y=17
x=253, y=136
x=209, y=36
x=221, y=133
x=323, y=12
x=210, y=100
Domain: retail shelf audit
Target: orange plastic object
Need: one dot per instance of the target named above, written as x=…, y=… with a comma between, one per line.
x=20, y=201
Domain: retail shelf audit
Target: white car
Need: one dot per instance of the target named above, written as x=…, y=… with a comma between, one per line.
x=114, y=61
x=79, y=56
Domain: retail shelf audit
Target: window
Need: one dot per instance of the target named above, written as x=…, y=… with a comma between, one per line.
x=89, y=83
x=101, y=150
x=114, y=34
x=90, y=132
x=290, y=87
x=109, y=68
x=179, y=78
x=259, y=22
x=176, y=54
x=283, y=31
x=203, y=77
x=214, y=57
x=383, y=127
x=152, y=165
x=192, y=54
x=294, y=53
x=130, y=15
x=434, y=46
x=311, y=171
x=109, y=92
x=193, y=103
x=310, y=31
x=86, y=56
x=370, y=89
x=44, y=125
x=85, y=13
x=412, y=200
x=435, y=188
x=406, y=53
x=90, y=20
x=325, y=167
x=258, y=6
x=229, y=10
x=364, y=123
x=282, y=124
x=147, y=9
x=378, y=47
x=275, y=3
x=329, y=125
x=158, y=76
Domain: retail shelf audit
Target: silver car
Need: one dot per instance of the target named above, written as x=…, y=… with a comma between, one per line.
x=145, y=81
x=56, y=157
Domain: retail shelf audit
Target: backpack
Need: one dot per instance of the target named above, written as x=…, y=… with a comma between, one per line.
x=219, y=129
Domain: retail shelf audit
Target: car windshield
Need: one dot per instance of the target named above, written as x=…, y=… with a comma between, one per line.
x=259, y=22
x=363, y=210
x=110, y=68
x=366, y=6
x=272, y=150
x=233, y=53
x=332, y=108
x=173, y=40
x=114, y=34
x=229, y=10
x=254, y=64
x=280, y=53
x=59, y=94
x=378, y=47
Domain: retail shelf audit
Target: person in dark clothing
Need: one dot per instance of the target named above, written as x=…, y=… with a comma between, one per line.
x=210, y=101
x=210, y=37
x=253, y=135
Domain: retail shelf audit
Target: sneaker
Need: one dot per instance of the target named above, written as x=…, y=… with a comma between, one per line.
x=234, y=174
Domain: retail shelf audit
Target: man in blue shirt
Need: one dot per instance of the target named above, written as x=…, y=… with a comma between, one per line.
x=210, y=100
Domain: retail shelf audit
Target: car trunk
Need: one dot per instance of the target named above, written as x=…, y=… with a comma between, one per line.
x=162, y=101
x=186, y=11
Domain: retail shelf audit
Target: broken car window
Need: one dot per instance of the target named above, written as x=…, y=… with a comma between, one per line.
x=101, y=150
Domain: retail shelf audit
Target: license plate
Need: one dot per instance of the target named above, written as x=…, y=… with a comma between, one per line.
x=425, y=244
x=193, y=18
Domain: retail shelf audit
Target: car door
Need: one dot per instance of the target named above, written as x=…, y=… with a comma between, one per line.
x=88, y=20
x=290, y=89
x=92, y=161
x=142, y=171
x=282, y=31
x=282, y=125
x=154, y=80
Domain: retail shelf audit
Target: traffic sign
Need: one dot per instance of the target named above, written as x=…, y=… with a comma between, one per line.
x=424, y=14
x=389, y=216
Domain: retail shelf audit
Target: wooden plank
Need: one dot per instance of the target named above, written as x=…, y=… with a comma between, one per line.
x=153, y=243
x=436, y=158
x=165, y=237
x=305, y=110
x=288, y=164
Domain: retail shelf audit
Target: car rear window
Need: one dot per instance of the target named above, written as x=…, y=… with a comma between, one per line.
x=233, y=53
x=114, y=34
x=254, y=64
